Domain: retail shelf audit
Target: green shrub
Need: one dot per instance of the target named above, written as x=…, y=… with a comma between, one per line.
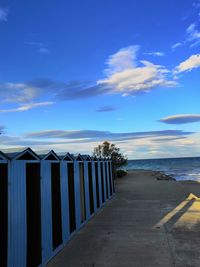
x=121, y=173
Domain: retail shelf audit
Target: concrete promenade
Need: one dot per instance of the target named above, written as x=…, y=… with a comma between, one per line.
x=148, y=223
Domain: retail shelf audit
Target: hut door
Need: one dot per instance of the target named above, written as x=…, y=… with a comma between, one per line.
x=90, y=187
x=102, y=183
x=110, y=178
x=97, y=183
x=56, y=205
x=82, y=191
x=71, y=197
x=33, y=214
x=3, y=214
x=106, y=178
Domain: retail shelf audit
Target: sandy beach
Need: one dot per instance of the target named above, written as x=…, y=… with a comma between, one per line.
x=148, y=223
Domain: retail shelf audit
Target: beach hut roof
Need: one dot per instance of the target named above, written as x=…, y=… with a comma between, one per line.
x=67, y=157
x=26, y=154
x=86, y=157
x=79, y=157
x=3, y=156
x=49, y=156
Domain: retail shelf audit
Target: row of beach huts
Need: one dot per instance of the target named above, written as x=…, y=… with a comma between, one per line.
x=45, y=199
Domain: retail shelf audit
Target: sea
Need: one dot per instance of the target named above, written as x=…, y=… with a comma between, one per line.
x=178, y=168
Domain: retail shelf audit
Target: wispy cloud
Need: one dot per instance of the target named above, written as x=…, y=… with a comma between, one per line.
x=26, y=107
x=191, y=63
x=192, y=32
x=134, y=144
x=41, y=47
x=106, y=109
x=3, y=14
x=91, y=135
x=174, y=46
x=18, y=92
x=156, y=53
x=181, y=119
x=193, y=35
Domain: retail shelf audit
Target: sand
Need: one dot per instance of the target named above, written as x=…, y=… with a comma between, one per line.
x=148, y=223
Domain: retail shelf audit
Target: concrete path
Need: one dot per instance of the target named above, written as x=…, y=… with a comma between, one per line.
x=148, y=223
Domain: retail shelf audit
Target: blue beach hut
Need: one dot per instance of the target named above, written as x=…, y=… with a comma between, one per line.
x=90, y=183
x=106, y=178
x=68, y=196
x=25, y=209
x=103, y=180
x=4, y=209
x=110, y=176
x=97, y=175
x=52, y=240
x=80, y=196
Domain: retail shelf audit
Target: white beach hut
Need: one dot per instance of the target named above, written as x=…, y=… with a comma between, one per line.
x=68, y=196
x=52, y=240
x=110, y=176
x=97, y=176
x=80, y=196
x=91, y=205
x=103, y=180
x=25, y=209
x=4, y=209
x=106, y=178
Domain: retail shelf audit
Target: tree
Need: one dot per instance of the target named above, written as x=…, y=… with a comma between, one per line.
x=107, y=149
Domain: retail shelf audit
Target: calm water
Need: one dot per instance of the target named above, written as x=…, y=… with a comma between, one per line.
x=179, y=168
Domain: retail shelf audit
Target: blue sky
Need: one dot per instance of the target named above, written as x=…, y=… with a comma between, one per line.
x=76, y=73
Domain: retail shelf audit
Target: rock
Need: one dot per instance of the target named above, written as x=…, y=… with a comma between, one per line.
x=160, y=176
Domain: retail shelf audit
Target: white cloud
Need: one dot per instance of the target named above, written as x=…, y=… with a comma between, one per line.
x=26, y=107
x=189, y=64
x=3, y=14
x=181, y=119
x=124, y=59
x=193, y=35
x=125, y=76
x=169, y=146
x=157, y=53
x=174, y=46
x=17, y=92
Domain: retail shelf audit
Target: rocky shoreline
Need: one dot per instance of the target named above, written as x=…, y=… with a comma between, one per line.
x=161, y=176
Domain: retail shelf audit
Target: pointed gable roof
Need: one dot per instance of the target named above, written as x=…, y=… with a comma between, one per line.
x=3, y=156
x=86, y=157
x=50, y=156
x=79, y=157
x=67, y=157
x=26, y=154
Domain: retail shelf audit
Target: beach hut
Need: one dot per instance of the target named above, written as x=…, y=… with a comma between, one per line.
x=80, y=196
x=91, y=185
x=68, y=196
x=52, y=240
x=25, y=209
x=110, y=177
x=97, y=176
x=4, y=214
x=106, y=178
x=106, y=165
x=103, y=181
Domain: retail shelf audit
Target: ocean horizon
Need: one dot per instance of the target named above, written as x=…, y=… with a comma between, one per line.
x=184, y=168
